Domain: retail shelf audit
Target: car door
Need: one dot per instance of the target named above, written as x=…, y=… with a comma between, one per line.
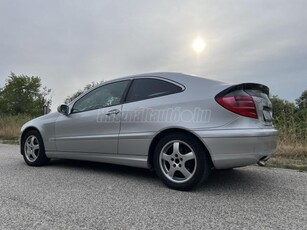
x=94, y=121
x=140, y=120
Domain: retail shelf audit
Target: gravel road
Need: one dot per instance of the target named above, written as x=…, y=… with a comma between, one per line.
x=83, y=195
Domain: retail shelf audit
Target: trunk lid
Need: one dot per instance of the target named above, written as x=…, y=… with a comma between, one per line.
x=260, y=97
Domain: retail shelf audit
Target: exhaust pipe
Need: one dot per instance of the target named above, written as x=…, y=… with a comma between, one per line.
x=262, y=161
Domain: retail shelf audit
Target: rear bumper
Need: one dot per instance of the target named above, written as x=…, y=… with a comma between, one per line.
x=241, y=147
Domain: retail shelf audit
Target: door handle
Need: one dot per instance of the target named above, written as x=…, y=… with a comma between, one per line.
x=113, y=111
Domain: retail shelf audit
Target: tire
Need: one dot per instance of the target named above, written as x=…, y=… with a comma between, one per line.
x=33, y=149
x=181, y=161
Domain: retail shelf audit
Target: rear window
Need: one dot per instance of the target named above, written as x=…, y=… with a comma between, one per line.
x=147, y=88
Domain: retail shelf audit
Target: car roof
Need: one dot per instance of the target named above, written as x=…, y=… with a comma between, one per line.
x=174, y=76
x=181, y=78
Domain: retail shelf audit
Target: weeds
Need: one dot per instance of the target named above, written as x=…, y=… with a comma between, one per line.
x=10, y=126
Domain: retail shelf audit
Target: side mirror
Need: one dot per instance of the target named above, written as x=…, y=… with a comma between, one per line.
x=64, y=109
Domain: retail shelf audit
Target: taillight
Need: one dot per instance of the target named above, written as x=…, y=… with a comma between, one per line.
x=238, y=102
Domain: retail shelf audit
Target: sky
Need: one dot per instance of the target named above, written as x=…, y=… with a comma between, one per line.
x=72, y=43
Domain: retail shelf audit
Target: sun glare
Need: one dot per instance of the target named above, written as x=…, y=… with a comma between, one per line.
x=198, y=45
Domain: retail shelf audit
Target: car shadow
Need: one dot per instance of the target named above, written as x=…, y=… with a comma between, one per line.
x=220, y=181
x=249, y=180
x=98, y=167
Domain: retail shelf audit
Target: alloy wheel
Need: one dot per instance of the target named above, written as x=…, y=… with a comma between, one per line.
x=31, y=148
x=178, y=161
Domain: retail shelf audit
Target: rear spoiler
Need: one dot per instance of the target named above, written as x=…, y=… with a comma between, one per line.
x=247, y=86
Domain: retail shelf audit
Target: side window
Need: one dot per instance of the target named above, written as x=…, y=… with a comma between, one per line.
x=149, y=88
x=106, y=95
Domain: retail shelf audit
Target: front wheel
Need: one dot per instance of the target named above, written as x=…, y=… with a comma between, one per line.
x=181, y=162
x=33, y=149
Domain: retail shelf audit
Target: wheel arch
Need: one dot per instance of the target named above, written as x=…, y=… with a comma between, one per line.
x=24, y=133
x=165, y=132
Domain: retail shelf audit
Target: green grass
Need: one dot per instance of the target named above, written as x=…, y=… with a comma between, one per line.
x=282, y=162
x=9, y=142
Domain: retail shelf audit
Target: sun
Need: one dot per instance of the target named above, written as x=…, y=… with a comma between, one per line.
x=198, y=45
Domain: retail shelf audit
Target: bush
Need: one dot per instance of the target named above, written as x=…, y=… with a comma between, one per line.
x=290, y=119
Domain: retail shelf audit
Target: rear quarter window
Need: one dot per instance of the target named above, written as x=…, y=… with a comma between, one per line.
x=142, y=89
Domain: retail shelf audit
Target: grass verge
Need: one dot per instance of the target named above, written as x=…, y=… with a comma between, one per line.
x=289, y=156
x=9, y=142
x=281, y=162
x=10, y=126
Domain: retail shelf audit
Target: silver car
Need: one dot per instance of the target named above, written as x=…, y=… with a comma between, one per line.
x=179, y=125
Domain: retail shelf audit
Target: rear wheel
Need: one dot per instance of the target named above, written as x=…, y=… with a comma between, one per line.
x=181, y=162
x=33, y=149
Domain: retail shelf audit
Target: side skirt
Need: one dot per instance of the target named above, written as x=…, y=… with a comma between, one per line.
x=120, y=159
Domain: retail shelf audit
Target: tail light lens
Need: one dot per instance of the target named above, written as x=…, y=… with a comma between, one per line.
x=238, y=102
